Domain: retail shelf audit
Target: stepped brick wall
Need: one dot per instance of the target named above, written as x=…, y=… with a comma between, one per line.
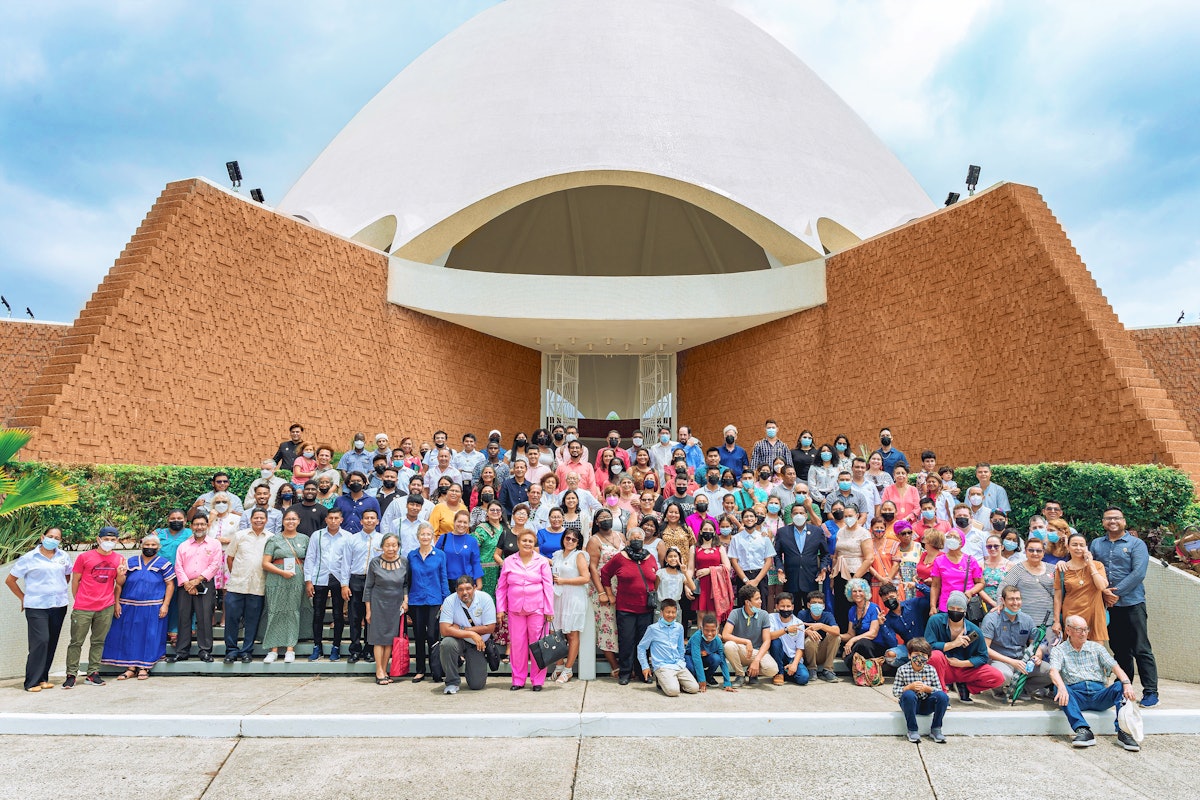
x=976, y=331
x=25, y=347
x=223, y=321
x=1174, y=355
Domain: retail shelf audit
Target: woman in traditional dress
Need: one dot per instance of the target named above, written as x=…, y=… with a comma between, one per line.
x=138, y=637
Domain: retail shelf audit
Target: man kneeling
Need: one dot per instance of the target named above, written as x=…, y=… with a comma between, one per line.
x=1078, y=668
x=467, y=620
x=919, y=690
x=664, y=640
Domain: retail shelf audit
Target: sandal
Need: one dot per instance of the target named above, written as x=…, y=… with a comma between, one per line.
x=382, y=681
x=563, y=676
x=126, y=675
x=420, y=676
x=143, y=674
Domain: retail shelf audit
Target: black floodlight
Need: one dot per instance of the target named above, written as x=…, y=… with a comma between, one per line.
x=952, y=198
x=235, y=173
x=256, y=195
x=972, y=178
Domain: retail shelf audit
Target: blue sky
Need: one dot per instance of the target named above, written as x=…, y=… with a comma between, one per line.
x=101, y=104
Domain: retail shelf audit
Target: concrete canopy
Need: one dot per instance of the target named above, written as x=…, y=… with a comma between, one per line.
x=677, y=93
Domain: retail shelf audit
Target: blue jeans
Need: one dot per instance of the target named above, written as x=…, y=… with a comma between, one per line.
x=1092, y=696
x=912, y=706
x=241, y=609
x=896, y=655
x=801, y=676
x=712, y=665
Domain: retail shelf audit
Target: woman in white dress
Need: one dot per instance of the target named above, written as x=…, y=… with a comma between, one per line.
x=569, y=567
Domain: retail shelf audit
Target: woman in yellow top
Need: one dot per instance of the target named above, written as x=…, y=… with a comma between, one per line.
x=1079, y=584
x=442, y=516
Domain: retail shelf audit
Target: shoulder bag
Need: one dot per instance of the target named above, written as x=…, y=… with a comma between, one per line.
x=651, y=597
x=975, y=607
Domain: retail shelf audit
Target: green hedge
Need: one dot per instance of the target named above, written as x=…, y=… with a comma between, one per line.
x=137, y=499
x=1151, y=496
x=133, y=499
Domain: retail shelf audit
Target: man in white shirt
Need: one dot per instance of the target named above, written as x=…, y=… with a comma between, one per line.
x=406, y=526
x=266, y=478
x=466, y=460
x=787, y=642
x=466, y=622
x=439, y=444
x=660, y=453
x=442, y=467
x=325, y=579
x=868, y=489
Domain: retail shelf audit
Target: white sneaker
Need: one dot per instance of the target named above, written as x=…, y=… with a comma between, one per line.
x=450, y=689
x=270, y=657
x=289, y=657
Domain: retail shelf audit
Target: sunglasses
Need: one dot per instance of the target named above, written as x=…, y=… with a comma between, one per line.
x=993, y=547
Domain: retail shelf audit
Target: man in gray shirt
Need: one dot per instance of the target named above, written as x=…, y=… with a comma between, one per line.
x=1007, y=631
x=746, y=648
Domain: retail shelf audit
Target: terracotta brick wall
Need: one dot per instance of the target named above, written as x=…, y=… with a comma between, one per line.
x=1174, y=355
x=976, y=331
x=25, y=347
x=222, y=322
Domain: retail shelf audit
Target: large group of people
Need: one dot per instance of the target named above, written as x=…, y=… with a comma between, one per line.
x=700, y=567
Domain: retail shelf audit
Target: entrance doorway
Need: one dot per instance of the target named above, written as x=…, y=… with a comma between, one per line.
x=601, y=393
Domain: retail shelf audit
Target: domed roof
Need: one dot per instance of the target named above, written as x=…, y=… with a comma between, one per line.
x=529, y=91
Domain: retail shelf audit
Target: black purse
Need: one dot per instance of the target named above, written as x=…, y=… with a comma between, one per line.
x=549, y=649
x=651, y=597
x=975, y=608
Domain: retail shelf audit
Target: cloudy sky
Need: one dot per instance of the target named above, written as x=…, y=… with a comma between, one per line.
x=1096, y=104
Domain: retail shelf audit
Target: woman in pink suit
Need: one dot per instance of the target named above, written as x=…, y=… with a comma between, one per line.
x=525, y=594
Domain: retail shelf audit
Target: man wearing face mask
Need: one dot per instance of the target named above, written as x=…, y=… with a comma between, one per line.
x=274, y=516
x=733, y=456
x=614, y=441
x=636, y=571
x=93, y=586
x=353, y=504
x=849, y=496
x=197, y=562
x=769, y=448
x=1007, y=632
x=700, y=515
x=356, y=459
x=680, y=496
x=927, y=520
x=711, y=488
x=660, y=453
x=802, y=555
x=919, y=690
x=787, y=642
x=902, y=621
x=266, y=478
x=375, y=476
x=891, y=456
x=387, y=492
x=203, y=504
x=823, y=637
x=959, y=654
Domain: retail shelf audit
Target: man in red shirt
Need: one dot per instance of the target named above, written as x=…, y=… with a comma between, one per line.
x=93, y=585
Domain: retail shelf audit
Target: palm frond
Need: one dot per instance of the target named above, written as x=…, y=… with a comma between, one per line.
x=11, y=441
x=37, y=490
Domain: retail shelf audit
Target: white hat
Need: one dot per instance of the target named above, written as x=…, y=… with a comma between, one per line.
x=1130, y=720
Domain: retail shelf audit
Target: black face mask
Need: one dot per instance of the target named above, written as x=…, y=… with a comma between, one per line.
x=706, y=536
x=604, y=524
x=785, y=614
x=379, y=469
x=355, y=487
x=613, y=441
x=956, y=616
x=701, y=509
x=838, y=514
x=635, y=545
x=176, y=525
x=891, y=604
x=730, y=439
x=885, y=440
x=712, y=480
x=888, y=516
x=487, y=498
x=541, y=439
x=999, y=525
x=681, y=490
x=558, y=437
x=728, y=484
x=149, y=552
x=762, y=476
x=389, y=484
x=522, y=442
x=963, y=522
x=759, y=519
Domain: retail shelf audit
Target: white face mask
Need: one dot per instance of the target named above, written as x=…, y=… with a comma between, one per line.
x=952, y=543
x=266, y=473
x=976, y=500
x=221, y=508
x=359, y=444
x=108, y=545
x=637, y=441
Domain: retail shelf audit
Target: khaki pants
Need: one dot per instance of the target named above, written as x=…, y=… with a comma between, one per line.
x=733, y=653
x=821, y=653
x=672, y=679
x=97, y=624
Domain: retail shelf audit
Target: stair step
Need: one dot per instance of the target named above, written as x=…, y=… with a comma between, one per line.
x=301, y=666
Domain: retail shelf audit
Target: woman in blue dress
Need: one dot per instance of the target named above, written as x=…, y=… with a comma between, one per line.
x=138, y=637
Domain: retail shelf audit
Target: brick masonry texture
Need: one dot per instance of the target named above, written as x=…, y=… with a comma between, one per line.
x=976, y=331
x=1174, y=355
x=222, y=322
x=25, y=347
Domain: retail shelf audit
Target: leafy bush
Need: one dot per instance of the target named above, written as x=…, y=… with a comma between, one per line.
x=133, y=499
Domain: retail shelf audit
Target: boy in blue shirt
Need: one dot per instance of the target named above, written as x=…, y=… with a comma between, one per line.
x=706, y=653
x=664, y=640
x=823, y=636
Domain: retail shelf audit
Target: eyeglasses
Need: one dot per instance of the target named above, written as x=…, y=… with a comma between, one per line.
x=1083, y=629
x=992, y=546
x=224, y=481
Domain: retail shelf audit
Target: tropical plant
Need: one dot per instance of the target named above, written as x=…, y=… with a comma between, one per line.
x=21, y=495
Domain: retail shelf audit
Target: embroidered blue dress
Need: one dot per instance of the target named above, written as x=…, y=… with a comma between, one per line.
x=138, y=638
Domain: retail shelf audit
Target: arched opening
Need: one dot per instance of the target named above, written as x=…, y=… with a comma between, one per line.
x=379, y=234
x=608, y=230
x=834, y=236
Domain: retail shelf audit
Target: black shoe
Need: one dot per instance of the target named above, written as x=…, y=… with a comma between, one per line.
x=369, y=658
x=828, y=676
x=538, y=689
x=750, y=681
x=94, y=679
x=1127, y=741
x=230, y=658
x=206, y=658
x=515, y=688
x=353, y=659
x=247, y=658
x=1083, y=738
x=175, y=658
x=964, y=694
x=623, y=680
x=69, y=683
x=712, y=681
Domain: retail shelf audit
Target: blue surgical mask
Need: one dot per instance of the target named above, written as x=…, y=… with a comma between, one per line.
x=664, y=439
x=928, y=513
x=1010, y=546
x=773, y=508
x=1010, y=612
x=826, y=455
x=816, y=610
x=771, y=433
x=806, y=441
x=1053, y=536
x=664, y=623
x=844, y=485
x=50, y=544
x=840, y=447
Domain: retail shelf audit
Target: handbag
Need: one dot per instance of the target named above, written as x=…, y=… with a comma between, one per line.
x=399, y=664
x=651, y=597
x=492, y=651
x=975, y=607
x=866, y=671
x=549, y=649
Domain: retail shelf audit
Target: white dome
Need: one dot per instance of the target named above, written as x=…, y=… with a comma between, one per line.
x=686, y=90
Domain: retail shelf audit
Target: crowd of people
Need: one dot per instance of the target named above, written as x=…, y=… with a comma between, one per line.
x=700, y=567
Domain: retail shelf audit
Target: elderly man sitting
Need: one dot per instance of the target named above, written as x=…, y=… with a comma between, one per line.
x=1079, y=668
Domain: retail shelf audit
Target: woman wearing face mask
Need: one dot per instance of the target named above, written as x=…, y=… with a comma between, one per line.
x=481, y=496
x=728, y=526
x=843, y=457
x=517, y=451
x=611, y=497
x=541, y=437
x=602, y=545
x=46, y=573
x=854, y=552
x=995, y=565
x=1014, y=548
x=285, y=497
x=744, y=494
x=283, y=576
x=906, y=499
x=1079, y=583
x=804, y=456
x=489, y=534
x=823, y=475
x=752, y=554
x=327, y=490
x=641, y=469
x=137, y=639
x=305, y=466
x=765, y=483
x=631, y=572
x=712, y=574
x=886, y=564
x=1057, y=533
x=908, y=556
x=954, y=571
x=944, y=502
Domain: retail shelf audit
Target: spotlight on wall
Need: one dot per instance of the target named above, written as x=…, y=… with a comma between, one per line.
x=30, y=313
x=4, y=300
x=235, y=173
x=952, y=198
x=972, y=178
x=256, y=195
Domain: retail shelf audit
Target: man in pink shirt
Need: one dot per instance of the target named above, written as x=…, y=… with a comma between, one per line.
x=94, y=587
x=197, y=562
x=577, y=465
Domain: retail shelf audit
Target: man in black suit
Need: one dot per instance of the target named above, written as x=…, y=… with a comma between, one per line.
x=802, y=554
